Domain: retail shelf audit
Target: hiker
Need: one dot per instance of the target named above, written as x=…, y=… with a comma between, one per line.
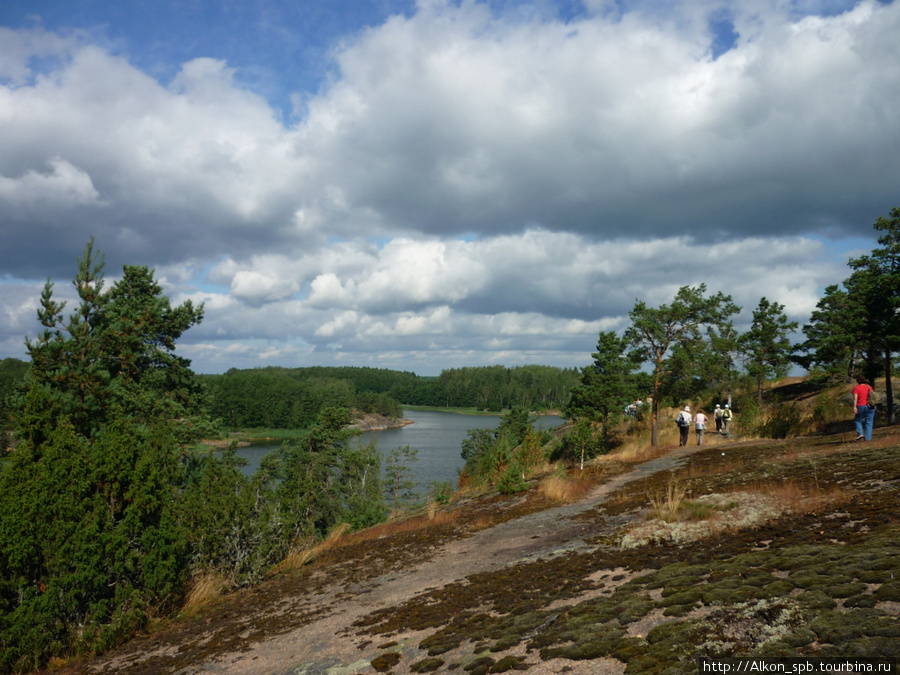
x=726, y=420
x=700, y=426
x=684, y=425
x=717, y=414
x=864, y=411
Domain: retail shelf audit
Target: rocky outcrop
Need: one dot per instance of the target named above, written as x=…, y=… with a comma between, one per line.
x=374, y=422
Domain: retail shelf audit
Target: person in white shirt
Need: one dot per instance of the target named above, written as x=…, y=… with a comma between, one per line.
x=684, y=425
x=700, y=425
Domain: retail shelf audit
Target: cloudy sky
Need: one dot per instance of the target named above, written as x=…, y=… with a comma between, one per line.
x=441, y=183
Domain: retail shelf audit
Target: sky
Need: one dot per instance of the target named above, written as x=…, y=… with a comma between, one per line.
x=431, y=184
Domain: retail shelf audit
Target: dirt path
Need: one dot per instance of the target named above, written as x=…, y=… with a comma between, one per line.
x=330, y=644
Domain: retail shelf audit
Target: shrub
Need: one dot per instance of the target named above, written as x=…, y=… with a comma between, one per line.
x=89, y=543
x=512, y=480
x=784, y=420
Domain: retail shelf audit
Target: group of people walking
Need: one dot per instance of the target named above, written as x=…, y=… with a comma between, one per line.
x=722, y=417
x=863, y=407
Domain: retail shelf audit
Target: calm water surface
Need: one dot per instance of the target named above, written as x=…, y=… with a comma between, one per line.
x=438, y=437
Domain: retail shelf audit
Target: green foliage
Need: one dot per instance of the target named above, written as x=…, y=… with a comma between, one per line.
x=833, y=340
x=292, y=397
x=494, y=388
x=103, y=509
x=323, y=481
x=440, y=491
x=607, y=386
x=232, y=522
x=12, y=377
x=512, y=480
x=477, y=443
x=515, y=424
x=766, y=346
x=785, y=420
x=90, y=539
x=501, y=456
x=861, y=321
x=580, y=443
x=828, y=408
x=670, y=336
x=113, y=357
x=398, y=475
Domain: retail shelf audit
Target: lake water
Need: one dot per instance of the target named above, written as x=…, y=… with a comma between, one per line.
x=438, y=437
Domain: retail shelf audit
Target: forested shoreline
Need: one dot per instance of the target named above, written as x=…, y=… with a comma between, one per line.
x=290, y=398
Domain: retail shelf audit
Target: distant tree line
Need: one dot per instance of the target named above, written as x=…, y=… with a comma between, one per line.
x=493, y=388
x=291, y=398
x=283, y=398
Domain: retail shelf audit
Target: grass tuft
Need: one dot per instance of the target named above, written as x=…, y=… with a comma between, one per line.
x=204, y=589
x=667, y=506
x=563, y=489
x=299, y=557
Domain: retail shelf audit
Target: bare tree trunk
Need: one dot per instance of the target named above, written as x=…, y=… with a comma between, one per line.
x=654, y=427
x=888, y=387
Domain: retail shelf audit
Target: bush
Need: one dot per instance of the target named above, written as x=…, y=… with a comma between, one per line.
x=828, y=408
x=89, y=544
x=233, y=526
x=784, y=420
x=512, y=480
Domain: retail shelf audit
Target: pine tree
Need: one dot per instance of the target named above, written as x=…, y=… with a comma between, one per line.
x=874, y=286
x=766, y=346
x=607, y=385
x=91, y=536
x=113, y=357
x=656, y=332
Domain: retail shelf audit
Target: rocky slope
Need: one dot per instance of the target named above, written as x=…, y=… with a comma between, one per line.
x=780, y=548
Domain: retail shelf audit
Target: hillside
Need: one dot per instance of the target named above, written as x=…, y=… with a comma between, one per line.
x=738, y=547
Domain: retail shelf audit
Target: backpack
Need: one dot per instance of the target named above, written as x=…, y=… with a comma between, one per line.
x=681, y=421
x=874, y=397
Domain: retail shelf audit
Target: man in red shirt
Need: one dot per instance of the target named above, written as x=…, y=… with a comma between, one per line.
x=865, y=413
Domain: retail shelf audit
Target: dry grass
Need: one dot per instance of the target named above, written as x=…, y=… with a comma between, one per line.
x=563, y=489
x=299, y=557
x=432, y=518
x=204, y=589
x=667, y=505
x=800, y=499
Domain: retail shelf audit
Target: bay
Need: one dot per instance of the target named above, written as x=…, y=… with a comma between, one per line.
x=437, y=436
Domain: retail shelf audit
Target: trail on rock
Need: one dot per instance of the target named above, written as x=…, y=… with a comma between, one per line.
x=329, y=643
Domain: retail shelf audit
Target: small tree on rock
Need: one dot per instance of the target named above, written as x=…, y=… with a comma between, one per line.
x=766, y=346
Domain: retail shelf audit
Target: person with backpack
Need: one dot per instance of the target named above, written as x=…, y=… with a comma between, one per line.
x=684, y=425
x=717, y=414
x=726, y=420
x=865, y=411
